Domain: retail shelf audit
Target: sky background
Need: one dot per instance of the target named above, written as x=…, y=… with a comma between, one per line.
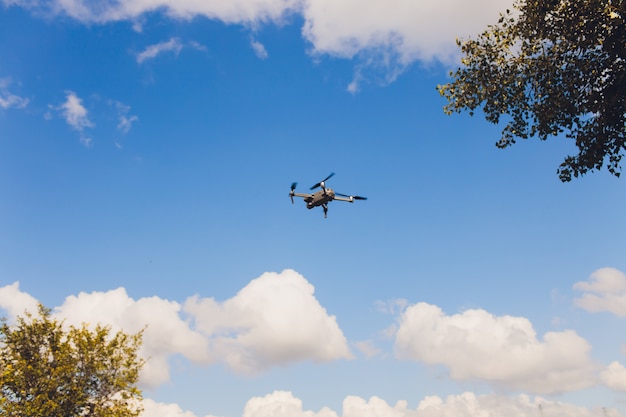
x=146, y=154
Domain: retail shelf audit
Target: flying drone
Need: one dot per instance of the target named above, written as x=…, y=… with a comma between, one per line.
x=323, y=196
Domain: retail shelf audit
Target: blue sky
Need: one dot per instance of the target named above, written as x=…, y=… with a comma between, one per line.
x=146, y=154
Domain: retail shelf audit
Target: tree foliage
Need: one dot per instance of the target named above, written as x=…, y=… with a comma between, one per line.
x=551, y=67
x=48, y=369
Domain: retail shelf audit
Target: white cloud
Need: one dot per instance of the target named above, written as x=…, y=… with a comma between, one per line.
x=274, y=320
x=259, y=49
x=393, y=306
x=281, y=404
x=502, y=350
x=126, y=120
x=87, y=142
x=152, y=408
x=166, y=333
x=614, y=376
x=367, y=348
x=16, y=302
x=384, y=36
x=74, y=112
x=494, y=405
x=248, y=12
x=402, y=30
x=604, y=291
x=152, y=51
x=9, y=100
x=284, y=404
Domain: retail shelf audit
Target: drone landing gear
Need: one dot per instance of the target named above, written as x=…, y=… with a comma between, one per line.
x=325, y=207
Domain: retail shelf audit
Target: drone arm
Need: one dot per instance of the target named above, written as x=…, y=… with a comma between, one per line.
x=347, y=199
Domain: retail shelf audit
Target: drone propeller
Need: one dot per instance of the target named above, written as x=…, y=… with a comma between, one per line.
x=321, y=183
x=352, y=197
x=293, y=187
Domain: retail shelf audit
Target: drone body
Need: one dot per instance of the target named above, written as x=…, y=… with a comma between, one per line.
x=323, y=196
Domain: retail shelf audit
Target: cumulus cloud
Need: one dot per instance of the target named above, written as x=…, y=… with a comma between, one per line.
x=16, y=302
x=604, y=291
x=9, y=100
x=614, y=376
x=152, y=408
x=467, y=404
x=281, y=404
x=284, y=404
x=166, y=332
x=274, y=321
x=384, y=36
x=502, y=350
x=173, y=45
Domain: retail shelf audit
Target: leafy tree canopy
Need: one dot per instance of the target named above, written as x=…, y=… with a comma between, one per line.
x=551, y=67
x=47, y=369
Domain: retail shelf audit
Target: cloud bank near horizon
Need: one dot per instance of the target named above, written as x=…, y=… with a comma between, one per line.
x=276, y=320
x=467, y=404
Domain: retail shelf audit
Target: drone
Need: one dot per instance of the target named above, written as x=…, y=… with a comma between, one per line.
x=323, y=196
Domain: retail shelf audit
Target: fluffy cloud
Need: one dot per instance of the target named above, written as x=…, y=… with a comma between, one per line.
x=384, y=35
x=284, y=404
x=166, y=332
x=74, y=112
x=152, y=408
x=281, y=404
x=467, y=404
x=412, y=29
x=604, y=291
x=274, y=321
x=494, y=405
x=614, y=376
x=16, y=302
x=499, y=349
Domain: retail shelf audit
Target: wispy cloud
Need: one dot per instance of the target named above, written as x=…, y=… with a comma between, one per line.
x=367, y=348
x=174, y=45
x=8, y=99
x=125, y=119
x=382, y=38
x=259, y=49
